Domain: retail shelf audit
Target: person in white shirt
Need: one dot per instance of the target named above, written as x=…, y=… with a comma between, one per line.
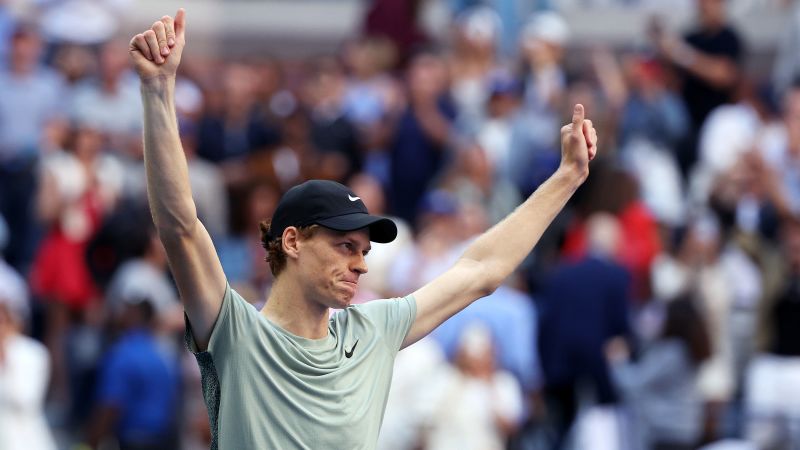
x=24, y=371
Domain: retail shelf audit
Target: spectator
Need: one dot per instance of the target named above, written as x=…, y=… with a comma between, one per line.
x=372, y=97
x=437, y=245
x=781, y=153
x=511, y=318
x=503, y=123
x=771, y=404
x=75, y=63
x=137, y=393
x=576, y=320
x=543, y=40
x=709, y=58
x=145, y=276
x=371, y=93
x=534, y=151
x=731, y=130
x=30, y=95
x=474, y=180
x=397, y=20
x=615, y=191
x=419, y=148
x=338, y=153
x=230, y=129
x=649, y=110
x=241, y=253
x=473, y=62
x=111, y=102
x=24, y=371
x=478, y=406
x=697, y=266
x=660, y=389
x=80, y=185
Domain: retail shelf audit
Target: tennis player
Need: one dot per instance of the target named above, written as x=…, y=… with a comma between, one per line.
x=291, y=376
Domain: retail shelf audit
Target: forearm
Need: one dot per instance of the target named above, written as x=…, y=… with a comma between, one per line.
x=611, y=80
x=433, y=123
x=718, y=71
x=168, y=187
x=501, y=249
x=491, y=258
x=48, y=200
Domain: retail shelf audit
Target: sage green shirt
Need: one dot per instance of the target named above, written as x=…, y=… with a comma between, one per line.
x=266, y=388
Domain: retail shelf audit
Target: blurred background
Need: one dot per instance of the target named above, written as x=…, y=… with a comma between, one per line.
x=659, y=311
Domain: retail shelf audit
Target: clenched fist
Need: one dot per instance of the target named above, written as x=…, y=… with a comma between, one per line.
x=157, y=51
x=578, y=143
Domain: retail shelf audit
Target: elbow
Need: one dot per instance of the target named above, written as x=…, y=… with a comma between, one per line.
x=175, y=221
x=489, y=283
x=171, y=230
x=725, y=76
x=486, y=290
x=485, y=277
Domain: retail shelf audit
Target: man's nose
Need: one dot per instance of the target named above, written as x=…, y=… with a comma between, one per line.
x=360, y=265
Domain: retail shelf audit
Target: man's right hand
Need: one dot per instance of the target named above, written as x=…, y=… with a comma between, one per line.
x=157, y=51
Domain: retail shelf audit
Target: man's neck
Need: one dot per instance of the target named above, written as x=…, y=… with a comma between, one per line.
x=288, y=307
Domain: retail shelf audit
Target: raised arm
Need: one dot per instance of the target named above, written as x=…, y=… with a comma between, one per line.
x=497, y=253
x=156, y=54
x=720, y=71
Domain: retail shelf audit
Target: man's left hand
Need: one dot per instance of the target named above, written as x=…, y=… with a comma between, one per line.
x=578, y=143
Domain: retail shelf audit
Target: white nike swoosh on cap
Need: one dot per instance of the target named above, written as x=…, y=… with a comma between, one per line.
x=352, y=199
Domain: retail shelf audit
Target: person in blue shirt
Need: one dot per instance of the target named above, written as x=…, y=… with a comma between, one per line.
x=510, y=315
x=582, y=305
x=137, y=395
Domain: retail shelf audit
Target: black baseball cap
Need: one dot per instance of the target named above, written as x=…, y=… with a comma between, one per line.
x=331, y=205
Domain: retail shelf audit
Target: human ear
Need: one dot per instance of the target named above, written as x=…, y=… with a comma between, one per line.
x=291, y=242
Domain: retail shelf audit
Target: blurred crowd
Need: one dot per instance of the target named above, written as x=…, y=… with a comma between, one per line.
x=659, y=311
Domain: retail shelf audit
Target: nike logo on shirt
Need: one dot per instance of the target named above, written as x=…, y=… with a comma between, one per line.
x=352, y=199
x=350, y=353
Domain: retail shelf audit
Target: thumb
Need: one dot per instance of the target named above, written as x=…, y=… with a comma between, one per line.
x=180, y=23
x=577, y=119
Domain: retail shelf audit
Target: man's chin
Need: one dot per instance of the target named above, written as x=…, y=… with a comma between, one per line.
x=341, y=302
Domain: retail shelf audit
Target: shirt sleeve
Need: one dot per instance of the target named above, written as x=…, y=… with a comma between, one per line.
x=393, y=316
x=663, y=363
x=236, y=320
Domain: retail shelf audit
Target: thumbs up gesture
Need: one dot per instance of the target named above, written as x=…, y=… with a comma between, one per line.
x=157, y=51
x=578, y=142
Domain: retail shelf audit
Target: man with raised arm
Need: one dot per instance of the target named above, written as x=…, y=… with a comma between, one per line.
x=290, y=375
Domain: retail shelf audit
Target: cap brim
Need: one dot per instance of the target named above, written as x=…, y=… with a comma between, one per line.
x=381, y=229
